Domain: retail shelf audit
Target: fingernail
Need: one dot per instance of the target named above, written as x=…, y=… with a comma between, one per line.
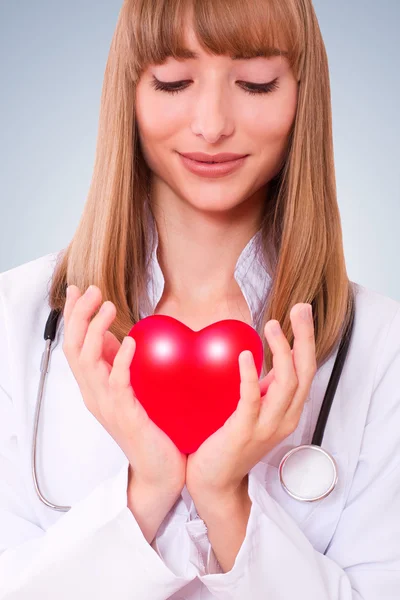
x=104, y=307
x=90, y=291
x=275, y=328
x=247, y=357
x=306, y=313
x=126, y=342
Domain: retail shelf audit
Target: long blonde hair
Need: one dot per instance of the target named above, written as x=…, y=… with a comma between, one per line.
x=301, y=228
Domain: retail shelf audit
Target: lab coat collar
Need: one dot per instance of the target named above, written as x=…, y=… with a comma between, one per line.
x=251, y=274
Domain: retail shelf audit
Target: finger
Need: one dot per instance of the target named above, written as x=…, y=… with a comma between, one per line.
x=249, y=404
x=120, y=376
x=73, y=293
x=284, y=384
x=80, y=318
x=92, y=347
x=120, y=399
x=266, y=381
x=303, y=356
x=110, y=347
x=282, y=357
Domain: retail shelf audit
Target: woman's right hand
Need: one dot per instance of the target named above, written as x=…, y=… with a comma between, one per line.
x=101, y=367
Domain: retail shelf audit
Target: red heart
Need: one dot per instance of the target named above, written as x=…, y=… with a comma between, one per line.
x=189, y=381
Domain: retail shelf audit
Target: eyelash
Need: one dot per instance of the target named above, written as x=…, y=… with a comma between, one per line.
x=172, y=87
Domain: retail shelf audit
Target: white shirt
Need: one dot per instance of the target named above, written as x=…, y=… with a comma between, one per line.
x=344, y=547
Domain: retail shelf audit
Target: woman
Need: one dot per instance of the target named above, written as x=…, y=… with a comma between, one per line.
x=165, y=234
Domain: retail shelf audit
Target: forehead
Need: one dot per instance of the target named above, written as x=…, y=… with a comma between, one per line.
x=193, y=49
x=208, y=28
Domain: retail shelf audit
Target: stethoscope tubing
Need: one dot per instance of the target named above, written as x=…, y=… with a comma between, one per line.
x=50, y=334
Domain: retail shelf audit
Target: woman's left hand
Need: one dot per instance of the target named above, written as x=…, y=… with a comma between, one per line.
x=267, y=412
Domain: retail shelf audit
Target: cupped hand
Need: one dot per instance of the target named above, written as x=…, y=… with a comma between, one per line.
x=101, y=367
x=268, y=411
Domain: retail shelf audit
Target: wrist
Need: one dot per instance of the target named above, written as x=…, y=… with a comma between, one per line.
x=222, y=501
x=149, y=505
x=221, y=513
x=161, y=490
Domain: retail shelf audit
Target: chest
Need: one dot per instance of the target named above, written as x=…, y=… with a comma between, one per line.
x=198, y=316
x=75, y=453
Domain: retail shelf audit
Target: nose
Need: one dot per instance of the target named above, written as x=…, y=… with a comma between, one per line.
x=212, y=117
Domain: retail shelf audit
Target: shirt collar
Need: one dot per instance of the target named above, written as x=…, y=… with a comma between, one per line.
x=250, y=273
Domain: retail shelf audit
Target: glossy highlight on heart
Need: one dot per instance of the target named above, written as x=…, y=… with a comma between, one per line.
x=189, y=381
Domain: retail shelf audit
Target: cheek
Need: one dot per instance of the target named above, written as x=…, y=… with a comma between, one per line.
x=157, y=123
x=270, y=122
x=157, y=119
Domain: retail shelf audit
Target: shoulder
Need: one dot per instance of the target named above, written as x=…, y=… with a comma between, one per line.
x=29, y=281
x=24, y=309
x=24, y=299
x=374, y=345
x=377, y=320
x=374, y=304
x=377, y=345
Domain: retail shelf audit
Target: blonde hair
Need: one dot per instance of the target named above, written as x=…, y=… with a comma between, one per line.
x=301, y=228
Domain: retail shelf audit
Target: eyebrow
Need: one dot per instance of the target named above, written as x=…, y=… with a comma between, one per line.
x=191, y=54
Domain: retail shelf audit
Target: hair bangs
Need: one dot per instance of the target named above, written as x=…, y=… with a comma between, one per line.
x=302, y=234
x=237, y=29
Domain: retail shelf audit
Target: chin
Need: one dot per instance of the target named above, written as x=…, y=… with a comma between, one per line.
x=209, y=202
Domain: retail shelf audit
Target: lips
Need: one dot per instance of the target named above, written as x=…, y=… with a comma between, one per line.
x=212, y=158
x=214, y=169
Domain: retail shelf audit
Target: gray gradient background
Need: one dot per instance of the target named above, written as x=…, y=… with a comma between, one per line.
x=53, y=56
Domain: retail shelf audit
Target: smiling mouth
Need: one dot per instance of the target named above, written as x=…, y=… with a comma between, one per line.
x=215, y=162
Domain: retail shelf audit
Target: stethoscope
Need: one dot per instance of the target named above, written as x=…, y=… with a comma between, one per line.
x=307, y=472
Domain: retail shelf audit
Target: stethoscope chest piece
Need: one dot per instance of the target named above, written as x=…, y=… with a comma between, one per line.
x=308, y=473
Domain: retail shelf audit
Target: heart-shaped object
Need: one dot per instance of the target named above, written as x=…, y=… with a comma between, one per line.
x=189, y=381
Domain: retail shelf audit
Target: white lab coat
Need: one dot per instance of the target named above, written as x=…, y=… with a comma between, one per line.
x=346, y=546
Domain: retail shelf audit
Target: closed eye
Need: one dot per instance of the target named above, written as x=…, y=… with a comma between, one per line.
x=174, y=87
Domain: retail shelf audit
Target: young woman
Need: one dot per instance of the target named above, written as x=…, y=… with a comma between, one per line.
x=254, y=237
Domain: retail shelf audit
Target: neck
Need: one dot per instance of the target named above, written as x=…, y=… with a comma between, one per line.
x=198, y=250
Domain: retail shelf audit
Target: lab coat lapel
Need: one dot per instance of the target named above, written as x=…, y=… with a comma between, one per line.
x=74, y=452
x=305, y=514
